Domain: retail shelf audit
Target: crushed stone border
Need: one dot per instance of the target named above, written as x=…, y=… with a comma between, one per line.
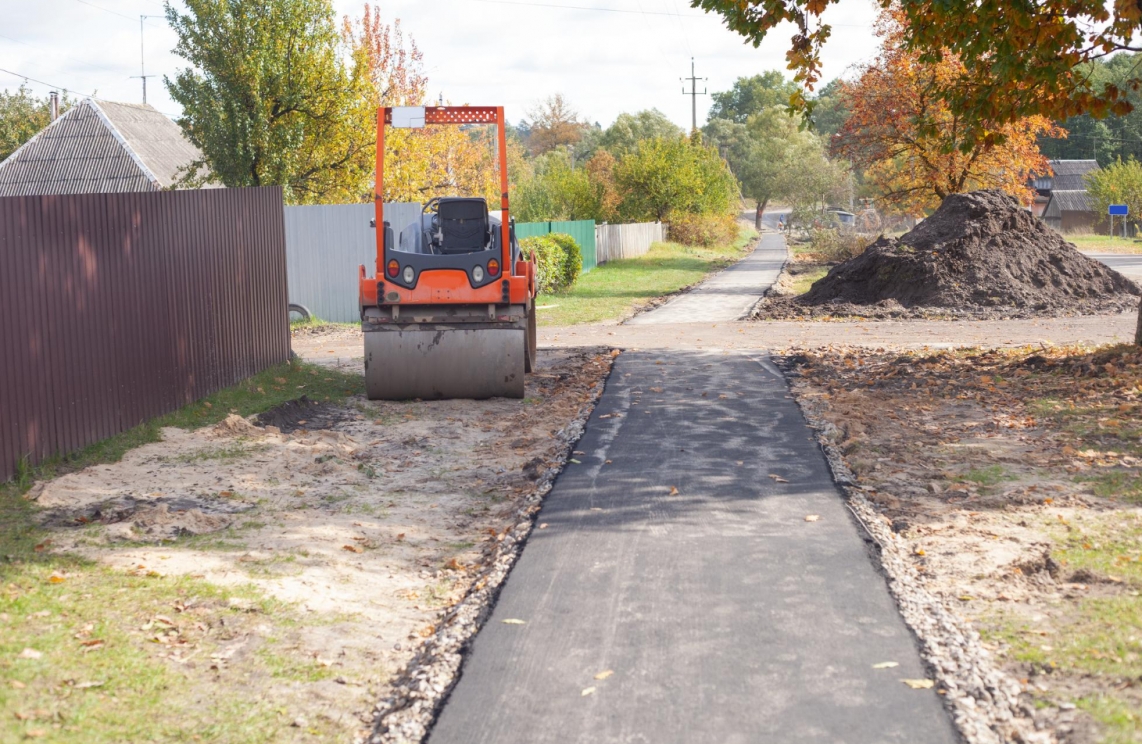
x=984, y=702
x=419, y=691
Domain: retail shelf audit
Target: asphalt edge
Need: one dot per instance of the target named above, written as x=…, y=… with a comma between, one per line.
x=422, y=688
x=983, y=701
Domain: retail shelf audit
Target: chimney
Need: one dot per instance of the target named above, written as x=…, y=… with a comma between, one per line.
x=54, y=98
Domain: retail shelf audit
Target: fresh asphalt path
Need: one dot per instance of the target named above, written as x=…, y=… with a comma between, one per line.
x=673, y=590
x=728, y=295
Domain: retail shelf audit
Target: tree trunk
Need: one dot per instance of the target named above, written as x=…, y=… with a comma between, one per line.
x=1138, y=328
x=758, y=214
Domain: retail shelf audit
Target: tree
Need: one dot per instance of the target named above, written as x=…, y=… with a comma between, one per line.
x=268, y=100
x=22, y=116
x=554, y=124
x=1118, y=183
x=752, y=95
x=773, y=157
x=829, y=109
x=665, y=176
x=629, y=129
x=1021, y=59
x=913, y=146
x=556, y=191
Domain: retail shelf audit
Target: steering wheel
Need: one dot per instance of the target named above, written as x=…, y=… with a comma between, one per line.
x=431, y=205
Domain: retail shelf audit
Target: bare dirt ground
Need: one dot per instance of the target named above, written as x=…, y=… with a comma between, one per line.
x=1014, y=478
x=365, y=522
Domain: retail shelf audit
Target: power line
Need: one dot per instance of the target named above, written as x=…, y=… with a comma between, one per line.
x=41, y=82
x=585, y=7
x=65, y=56
x=108, y=10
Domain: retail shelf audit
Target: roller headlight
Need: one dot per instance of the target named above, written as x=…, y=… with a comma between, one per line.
x=409, y=275
x=478, y=274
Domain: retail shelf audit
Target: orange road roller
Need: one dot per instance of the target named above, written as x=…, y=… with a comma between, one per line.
x=450, y=309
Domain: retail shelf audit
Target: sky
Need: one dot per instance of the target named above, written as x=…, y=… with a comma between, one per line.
x=604, y=56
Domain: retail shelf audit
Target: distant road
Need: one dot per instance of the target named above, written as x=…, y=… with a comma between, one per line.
x=1129, y=264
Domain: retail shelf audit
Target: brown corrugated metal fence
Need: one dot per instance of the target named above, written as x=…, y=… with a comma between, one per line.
x=116, y=308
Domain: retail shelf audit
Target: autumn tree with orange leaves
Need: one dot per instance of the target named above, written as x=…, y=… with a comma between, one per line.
x=913, y=147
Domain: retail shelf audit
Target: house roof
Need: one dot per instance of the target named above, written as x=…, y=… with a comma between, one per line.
x=1069, y=201
x=99, y=147
x=1069, y=174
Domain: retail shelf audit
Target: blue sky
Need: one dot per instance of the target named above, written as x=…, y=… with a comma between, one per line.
x=605, y=56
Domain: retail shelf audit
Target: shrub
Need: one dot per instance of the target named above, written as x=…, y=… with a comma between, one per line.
x=558, y=261
x=837, y=244
x=572, y=259
x=703, y=229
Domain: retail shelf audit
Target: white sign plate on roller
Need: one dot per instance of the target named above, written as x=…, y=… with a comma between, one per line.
x=408, y=117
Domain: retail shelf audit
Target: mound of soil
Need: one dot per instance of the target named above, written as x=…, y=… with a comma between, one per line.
x=980, y=254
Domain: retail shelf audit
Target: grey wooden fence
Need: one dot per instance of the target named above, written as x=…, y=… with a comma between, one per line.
x=324, y=247
x=626, y=241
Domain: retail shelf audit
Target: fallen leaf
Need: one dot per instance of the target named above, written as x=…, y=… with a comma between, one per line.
x=31, y=653
x=812, y=517
x=604, y=675
x=885, y=665
x=673, y=490
x=353, y=548
x=919, y=684
x=656, y=390
x=576, y=461
x=454, y=565
x=35, y=733
x=588, y=691
x=55, y=578
x=543, y=526
x=17, y=684
x=778, y=478
x=400, y=536
x=513, y=621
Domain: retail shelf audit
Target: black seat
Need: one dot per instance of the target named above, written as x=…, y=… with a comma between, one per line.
x=463, y=225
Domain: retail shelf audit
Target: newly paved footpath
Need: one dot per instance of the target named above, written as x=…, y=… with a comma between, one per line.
x=674, y=593
x=728, y=295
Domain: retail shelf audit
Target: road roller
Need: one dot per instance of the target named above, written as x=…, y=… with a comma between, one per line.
x=450, y=309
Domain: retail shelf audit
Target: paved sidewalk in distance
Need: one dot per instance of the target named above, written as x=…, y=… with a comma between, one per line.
x=674, y=593
x=728, y=295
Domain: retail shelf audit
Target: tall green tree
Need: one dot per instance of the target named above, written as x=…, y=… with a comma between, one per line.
x=22, y=115
x=1118, y=183
x=666, y=176
x=269, y=100
x=773, y=157
x=752, y=95
x=628, y=130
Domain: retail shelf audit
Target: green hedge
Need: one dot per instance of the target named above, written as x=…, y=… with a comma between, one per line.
x=558, y=258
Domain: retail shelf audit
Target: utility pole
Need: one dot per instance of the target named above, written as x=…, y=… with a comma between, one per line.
x=693, y=93
x=142, y=59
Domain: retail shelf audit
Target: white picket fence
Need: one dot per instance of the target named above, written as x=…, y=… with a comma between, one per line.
x=626, y=241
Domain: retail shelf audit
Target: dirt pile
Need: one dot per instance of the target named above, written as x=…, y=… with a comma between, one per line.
x=979, y=255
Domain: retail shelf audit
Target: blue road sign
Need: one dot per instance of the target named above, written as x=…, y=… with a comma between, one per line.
x=1118, y=210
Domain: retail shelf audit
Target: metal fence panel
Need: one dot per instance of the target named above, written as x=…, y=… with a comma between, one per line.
x=122, y=307
x=583, y=231
x=324, y=247
x=627, y=241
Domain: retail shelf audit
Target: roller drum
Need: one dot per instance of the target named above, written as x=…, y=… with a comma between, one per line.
x=445, y=361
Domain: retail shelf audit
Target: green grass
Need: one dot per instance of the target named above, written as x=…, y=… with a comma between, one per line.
x=614, y=289
x=988, y=476
x=802, y=282
x=1104, y=244
x=1102, y=637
